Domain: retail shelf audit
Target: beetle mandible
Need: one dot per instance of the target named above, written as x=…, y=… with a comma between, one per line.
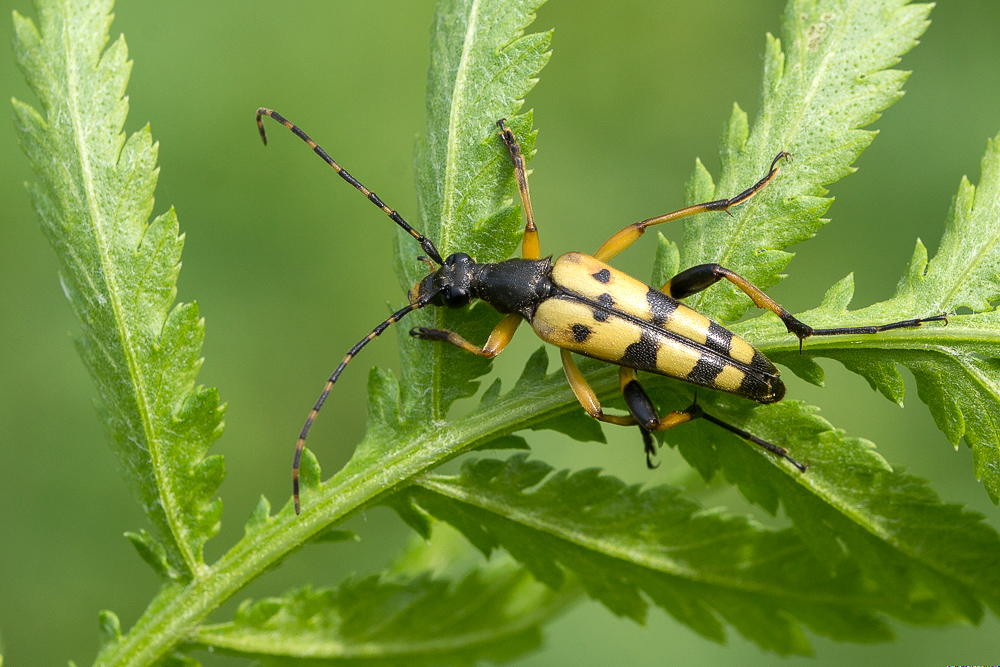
x=580, y=304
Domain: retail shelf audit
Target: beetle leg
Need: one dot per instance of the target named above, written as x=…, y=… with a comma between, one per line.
x=529, y=243
x=645, y=414
x=650, y=447
x=703, y=276
x=627, y=236
x=585, y=394
x=641, y=407
x=499, y=337
x=642, y=410
x=774, y=449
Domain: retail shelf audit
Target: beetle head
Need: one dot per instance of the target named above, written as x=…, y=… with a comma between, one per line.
x=452, y=281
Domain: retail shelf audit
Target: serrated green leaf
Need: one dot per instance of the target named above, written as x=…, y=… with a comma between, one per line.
x=401, y=617
x=905, y=554
x=956, y=366
x=851, y=505
x=966, y=269
x=827, y=78
x=119, y=271
x=850, y=508
x=486, y=56
x=482, y=65
x=620, y=540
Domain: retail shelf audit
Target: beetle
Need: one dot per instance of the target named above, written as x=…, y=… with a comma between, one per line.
x=582, y=305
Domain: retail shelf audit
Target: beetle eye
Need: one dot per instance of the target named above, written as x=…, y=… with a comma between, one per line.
x=455, y=297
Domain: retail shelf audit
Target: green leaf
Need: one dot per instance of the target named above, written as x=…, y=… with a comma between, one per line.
x=867, y=543
x=830, y=79
x=152, y=551
x=482, y=65
x=577, y=424
x=409, y=615
x=699, y=566
x=667, y=262
x=956, y=367
x=935, y=560
x=119, y=271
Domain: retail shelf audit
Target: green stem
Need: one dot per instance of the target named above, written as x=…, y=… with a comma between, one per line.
x=929, y=336
x=176, y=614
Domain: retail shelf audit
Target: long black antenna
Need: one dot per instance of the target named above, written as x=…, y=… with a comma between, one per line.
x=425, y=242
x=424, y=300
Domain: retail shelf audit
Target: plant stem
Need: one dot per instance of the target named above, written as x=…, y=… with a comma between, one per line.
x=176, y=612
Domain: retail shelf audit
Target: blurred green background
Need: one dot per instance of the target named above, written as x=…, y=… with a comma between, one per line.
x=291, y=267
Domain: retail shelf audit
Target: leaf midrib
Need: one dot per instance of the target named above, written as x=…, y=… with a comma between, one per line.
x=328, y=648
x=110, y=274
x=448, y=205
x=458, y=93
x=900, y=339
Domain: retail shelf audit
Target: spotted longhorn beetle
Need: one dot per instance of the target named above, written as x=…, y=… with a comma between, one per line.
x=580, y=304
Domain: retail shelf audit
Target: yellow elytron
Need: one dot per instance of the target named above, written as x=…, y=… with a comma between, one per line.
x=581, y=304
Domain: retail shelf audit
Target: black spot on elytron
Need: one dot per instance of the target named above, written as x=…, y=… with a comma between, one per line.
x=581, y=332
x=719, y=338
x=642, y=354
x=602, y=276
x=661, y=306
x=605, y=301
x=706, y=370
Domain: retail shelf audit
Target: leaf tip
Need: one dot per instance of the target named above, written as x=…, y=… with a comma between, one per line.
x=154, y=553
x=110, y=628
x=310, y=471
x=259, y=517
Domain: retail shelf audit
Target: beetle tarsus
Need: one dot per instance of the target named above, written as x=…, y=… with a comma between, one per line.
x=650, y=447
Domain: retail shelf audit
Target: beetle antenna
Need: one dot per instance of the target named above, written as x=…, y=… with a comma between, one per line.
x=425, y=242
x=424, y=300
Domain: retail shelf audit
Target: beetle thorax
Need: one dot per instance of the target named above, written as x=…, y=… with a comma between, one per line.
x=514, y=285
